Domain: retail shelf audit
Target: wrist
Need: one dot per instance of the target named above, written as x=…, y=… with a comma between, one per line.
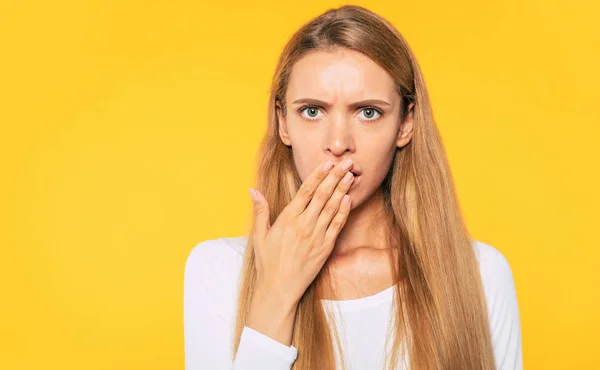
x=273, y=300
x=276, y=296
x=272, y=316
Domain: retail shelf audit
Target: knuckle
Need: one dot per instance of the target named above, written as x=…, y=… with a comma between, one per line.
x=301, y=229
x=337, y=223
x=305, y=191
x=330, y=208
x=305, y=231
x=321, y=194
x=343, y=210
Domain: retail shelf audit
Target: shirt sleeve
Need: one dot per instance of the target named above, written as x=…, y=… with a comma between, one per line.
x=504, y=315
x=259, y=351
x=209, y=318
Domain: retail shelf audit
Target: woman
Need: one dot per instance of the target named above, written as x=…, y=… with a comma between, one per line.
x=360, y=264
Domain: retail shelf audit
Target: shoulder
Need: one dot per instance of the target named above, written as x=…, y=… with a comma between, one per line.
x=502, y=304
x=211, y=275
x=212, y=253
x=212, y=270
x=496, y=272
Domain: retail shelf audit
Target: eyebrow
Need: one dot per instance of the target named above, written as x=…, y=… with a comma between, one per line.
x=352, y=106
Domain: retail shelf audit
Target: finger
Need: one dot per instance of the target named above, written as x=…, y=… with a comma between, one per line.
x=333, y=204
x=337, y=223
x=307, y=189
x=325, y=190
x=262, y=221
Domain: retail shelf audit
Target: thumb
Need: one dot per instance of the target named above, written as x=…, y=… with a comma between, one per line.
x=262, y=221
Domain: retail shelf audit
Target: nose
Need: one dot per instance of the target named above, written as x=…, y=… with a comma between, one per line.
x=338, y=139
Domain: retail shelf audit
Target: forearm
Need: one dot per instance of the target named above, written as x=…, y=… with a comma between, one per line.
x=272, y=316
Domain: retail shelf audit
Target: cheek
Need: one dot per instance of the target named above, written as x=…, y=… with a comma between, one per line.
x=377, y=165
x=306, y=151
x=305, y=161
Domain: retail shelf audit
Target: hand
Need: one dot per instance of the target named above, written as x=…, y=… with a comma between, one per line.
x=290, y=253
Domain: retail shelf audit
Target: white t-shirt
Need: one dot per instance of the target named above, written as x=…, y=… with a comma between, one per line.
x=210, y=297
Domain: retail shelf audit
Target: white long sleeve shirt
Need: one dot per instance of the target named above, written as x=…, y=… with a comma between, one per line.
x=210, y=299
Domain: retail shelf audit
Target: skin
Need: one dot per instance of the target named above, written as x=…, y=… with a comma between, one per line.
x=303, y=239
x=336, y=129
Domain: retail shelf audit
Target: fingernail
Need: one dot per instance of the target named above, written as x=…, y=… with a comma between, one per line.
x=348, y=178
x=347, y=164
x=346, y=199
x=253, y=195
x=327, y=166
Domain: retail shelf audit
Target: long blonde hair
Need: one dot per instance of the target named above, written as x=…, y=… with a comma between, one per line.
x=440, y=313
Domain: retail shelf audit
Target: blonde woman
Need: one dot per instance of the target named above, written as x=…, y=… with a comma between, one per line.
x=358, y=257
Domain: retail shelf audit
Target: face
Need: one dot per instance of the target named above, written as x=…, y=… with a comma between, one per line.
x=343, y=105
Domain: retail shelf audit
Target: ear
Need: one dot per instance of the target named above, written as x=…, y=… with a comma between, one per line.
x=406, y=128
x=283, y=131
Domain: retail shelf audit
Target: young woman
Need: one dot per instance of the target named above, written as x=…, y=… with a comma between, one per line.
x=359, y=257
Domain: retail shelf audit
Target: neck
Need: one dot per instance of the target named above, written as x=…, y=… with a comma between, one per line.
x=364, y=227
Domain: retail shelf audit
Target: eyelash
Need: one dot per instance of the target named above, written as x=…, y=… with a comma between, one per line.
x=302, y=108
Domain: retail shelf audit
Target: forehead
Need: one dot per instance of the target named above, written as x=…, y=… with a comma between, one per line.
x=344, y=74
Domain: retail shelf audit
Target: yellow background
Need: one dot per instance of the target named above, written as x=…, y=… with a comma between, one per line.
x=128, y=136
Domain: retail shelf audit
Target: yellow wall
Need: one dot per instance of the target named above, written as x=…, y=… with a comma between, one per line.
x=129, y=130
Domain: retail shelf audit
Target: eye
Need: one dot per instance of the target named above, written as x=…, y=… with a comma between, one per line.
x=371, y=112
x=311, y=110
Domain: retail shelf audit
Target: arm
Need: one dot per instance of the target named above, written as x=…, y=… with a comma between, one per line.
x=258, y=351
x=269, y=327
x=272, y=315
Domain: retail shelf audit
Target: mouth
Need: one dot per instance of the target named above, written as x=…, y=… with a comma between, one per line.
x=353, y=170
x=356, y=180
